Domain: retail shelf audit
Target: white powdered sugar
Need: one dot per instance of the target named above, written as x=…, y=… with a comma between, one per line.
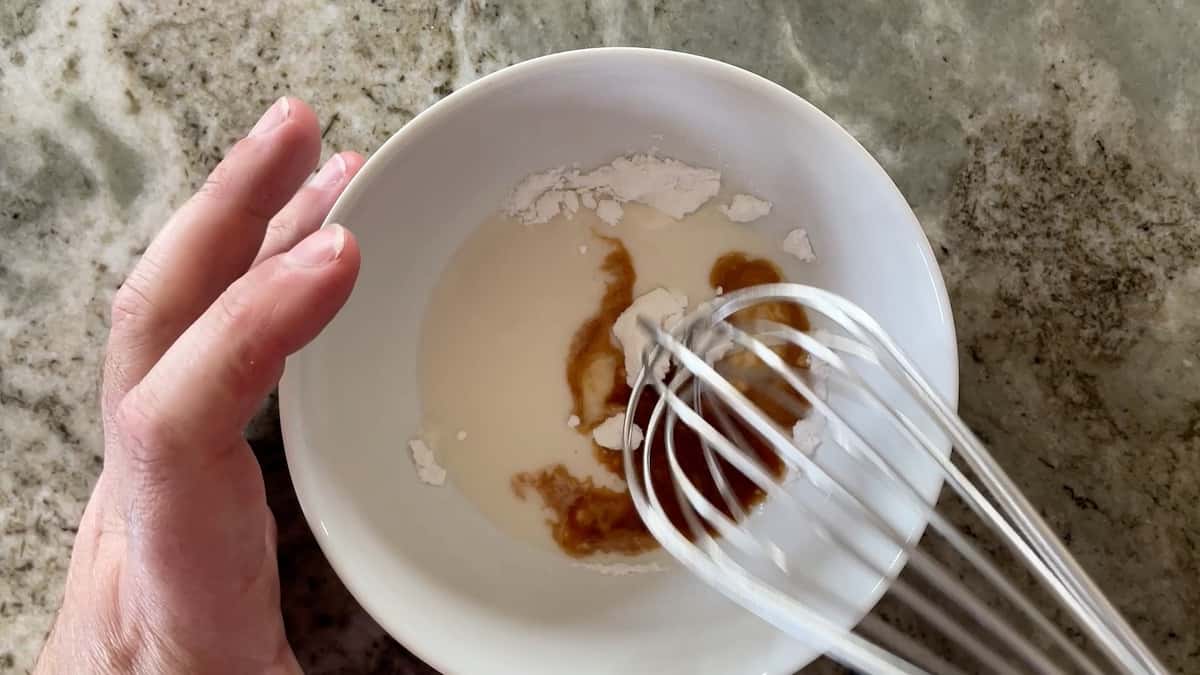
x=428, y=469
x=660, y=306
x=808, y=432
x=796, y=243
x=621, y=569
x=609, y=211
x=668, y=185
x=746, y=208
x=610, y=433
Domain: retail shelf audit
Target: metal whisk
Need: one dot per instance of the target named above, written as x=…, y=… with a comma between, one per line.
x=860, y=498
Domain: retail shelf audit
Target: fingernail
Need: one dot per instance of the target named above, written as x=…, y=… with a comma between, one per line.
x=277, y=114
x=320, y=247
x=330, y=174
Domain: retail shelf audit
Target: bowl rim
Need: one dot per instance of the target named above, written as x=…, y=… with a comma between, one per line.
x=290, y=392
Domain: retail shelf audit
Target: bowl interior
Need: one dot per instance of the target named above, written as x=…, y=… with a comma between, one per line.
x=423, y=561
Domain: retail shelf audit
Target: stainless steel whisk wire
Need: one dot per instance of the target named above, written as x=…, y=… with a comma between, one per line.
x=860, y=344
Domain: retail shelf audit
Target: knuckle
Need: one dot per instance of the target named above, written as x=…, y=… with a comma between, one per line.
x=222, y=187
x=115, y=374
x=143, y=432
x=219, y=179
x=280, y=228
x=132, y=304
x=134, y=322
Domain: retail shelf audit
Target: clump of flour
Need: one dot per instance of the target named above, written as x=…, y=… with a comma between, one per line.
x=796, y=243
x=611, y=433
x=428, y=469
x=662, y=307
x=668, y=185
x=746, y=208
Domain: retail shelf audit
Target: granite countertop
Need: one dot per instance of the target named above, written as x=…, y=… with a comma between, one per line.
x=1049, y=149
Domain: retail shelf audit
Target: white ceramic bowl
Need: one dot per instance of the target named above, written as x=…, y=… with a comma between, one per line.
x=423, y=561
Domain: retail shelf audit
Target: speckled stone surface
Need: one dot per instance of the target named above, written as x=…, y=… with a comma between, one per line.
x=1049, y=148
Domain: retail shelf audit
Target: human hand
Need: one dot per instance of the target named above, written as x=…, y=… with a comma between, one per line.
x=174, y=566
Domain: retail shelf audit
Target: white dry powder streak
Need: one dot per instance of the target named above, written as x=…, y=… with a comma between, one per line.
x=621, y=569
x=668, y=185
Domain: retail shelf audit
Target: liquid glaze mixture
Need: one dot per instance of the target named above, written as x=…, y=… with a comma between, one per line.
x=516, y=339
x=589, y=518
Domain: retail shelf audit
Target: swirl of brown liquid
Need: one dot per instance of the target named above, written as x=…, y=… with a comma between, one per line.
x=586, y=518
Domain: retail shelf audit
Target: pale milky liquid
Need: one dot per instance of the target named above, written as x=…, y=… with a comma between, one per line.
x=498, y=328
